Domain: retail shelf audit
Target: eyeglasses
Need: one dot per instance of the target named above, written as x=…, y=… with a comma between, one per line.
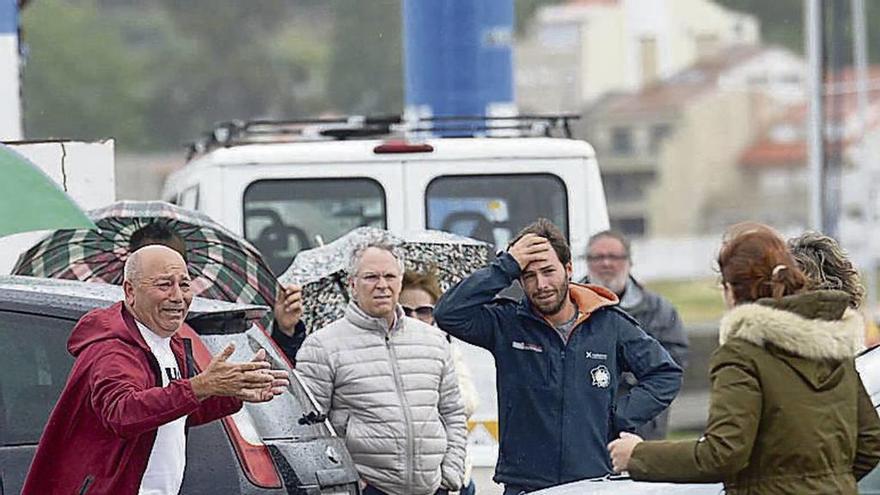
x=373, y=278
x=426, y=311
x=598, y=258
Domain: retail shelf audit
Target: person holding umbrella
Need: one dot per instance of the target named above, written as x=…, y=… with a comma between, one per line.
x=288, y=330
x=120, y=423
x=387, y=384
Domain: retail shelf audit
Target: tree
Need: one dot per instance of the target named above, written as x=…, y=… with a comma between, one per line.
x=76, y=86
x=366, y=68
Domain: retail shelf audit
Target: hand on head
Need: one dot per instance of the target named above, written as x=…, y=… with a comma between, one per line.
x=530, y=248
x=251, y=381
x=288, y=308
x=621, y=450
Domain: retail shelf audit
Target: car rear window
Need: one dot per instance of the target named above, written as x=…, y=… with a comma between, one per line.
x=494, y=208
x=35, y=364
x=285, y=216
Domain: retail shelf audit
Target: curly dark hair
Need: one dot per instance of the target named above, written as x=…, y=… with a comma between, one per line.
x=827, y=265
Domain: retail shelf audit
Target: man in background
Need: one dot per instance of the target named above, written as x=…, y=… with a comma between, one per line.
x=609, y=262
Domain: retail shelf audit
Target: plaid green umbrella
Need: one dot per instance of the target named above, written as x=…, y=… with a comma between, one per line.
x=223, y=265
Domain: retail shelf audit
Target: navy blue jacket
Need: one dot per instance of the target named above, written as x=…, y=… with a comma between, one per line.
x=556, y=401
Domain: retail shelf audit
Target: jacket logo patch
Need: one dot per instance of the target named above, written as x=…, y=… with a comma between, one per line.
x=597, y=355
x=525, y=346
x=601, y=376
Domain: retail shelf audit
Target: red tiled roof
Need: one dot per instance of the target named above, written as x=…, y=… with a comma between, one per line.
x=767, y=152
x=670, y=94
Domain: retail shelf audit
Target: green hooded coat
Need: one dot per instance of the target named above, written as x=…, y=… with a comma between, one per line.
x=788, y=413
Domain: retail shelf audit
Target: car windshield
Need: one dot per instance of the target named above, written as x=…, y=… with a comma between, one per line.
x=35, y=362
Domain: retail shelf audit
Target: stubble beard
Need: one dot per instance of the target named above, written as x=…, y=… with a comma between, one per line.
x=557, y=306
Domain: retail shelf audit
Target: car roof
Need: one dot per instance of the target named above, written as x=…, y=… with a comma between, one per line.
x=72, y=299
x=362, y=151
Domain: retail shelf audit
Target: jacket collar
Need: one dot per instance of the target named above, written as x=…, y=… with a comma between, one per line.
x=357, y=316
x=800, y=325
x=587, y=297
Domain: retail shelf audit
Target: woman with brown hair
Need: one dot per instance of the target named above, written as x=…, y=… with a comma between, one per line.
x=788, y=413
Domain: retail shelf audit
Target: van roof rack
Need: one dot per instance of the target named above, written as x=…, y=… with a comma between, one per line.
x=237, y=132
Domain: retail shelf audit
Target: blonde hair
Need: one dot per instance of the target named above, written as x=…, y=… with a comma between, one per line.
x=426, y=281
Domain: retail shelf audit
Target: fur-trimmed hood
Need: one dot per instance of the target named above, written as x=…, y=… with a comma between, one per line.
x=799, y=325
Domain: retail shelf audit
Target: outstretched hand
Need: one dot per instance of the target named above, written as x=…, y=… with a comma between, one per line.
x=245, y=381
x=280, y=382
x=621, y=450
x=530, y=248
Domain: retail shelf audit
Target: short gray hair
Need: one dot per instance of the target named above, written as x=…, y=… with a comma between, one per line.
x=612, y=234
x=357, y=254
x=827, y=265
x=132, y=269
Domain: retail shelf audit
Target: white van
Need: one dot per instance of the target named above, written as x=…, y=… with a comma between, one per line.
x=286, y=195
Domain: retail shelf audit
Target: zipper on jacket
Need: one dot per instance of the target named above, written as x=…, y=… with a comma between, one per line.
x=189, y=361
x=562, y=410
x=85, y=486
x=407, y=417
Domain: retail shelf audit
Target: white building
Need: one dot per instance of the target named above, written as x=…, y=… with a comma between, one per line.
x=577, y=51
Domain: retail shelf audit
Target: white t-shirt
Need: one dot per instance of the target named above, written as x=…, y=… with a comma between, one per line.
x=164, y=473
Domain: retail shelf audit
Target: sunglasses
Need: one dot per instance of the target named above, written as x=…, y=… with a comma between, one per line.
x=426, y=311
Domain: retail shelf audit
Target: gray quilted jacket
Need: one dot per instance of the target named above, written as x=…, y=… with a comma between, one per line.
x=393, y=395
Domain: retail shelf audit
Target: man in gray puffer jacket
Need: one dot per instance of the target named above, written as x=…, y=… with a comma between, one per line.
x=388, y=385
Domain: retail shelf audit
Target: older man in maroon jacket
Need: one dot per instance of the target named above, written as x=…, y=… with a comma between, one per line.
x=119, y=424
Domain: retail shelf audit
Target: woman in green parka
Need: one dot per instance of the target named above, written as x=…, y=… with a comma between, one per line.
x=788, y=413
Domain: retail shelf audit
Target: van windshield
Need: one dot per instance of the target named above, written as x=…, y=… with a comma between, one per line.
x=493, y=208
x=285, y=216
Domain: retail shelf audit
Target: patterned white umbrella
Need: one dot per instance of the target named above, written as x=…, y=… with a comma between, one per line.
x=323, y=272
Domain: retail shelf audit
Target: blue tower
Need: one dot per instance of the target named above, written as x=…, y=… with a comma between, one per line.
x=458, y=58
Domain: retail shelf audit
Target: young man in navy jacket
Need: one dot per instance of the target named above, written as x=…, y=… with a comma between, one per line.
x=559, y=353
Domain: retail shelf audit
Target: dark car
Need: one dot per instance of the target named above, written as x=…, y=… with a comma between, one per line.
x=283, y=446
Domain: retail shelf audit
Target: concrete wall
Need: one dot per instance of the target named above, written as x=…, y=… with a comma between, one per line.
x=84, y=170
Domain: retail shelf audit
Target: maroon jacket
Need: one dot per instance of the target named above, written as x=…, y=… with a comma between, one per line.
x=100, y=434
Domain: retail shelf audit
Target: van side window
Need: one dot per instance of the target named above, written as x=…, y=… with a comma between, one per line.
x=36, y=363
x=284, y=216
x=493, y=208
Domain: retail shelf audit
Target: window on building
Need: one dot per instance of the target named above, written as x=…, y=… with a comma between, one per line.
x=630, y=226
x=627, y=186
x=622, y=141
x=659, y=132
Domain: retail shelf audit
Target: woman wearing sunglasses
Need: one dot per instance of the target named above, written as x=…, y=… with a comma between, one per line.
x=420, y=293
